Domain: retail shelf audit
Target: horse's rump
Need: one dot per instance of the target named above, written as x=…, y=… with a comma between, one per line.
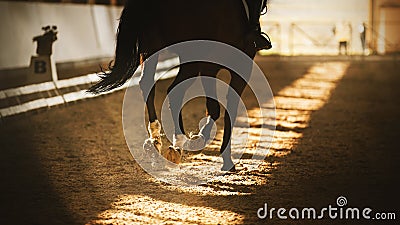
x=177, y=21
x=148, y=26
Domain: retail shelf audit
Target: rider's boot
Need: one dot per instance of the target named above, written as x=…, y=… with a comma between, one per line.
x=260, y=39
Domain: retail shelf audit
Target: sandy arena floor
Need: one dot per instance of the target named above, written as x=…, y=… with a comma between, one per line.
x=337, y=133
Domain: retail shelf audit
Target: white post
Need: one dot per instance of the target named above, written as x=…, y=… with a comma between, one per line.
x=53, y=68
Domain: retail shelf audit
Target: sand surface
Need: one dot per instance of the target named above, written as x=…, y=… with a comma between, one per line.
x=337, y=132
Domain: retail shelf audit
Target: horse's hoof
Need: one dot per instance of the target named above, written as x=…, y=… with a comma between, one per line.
x=229, y=167
x=195, y=143
x=148, y=145
x=173, y=154
x=178, y=140
x=152, y=144
x=157, y=143
x=154, y=129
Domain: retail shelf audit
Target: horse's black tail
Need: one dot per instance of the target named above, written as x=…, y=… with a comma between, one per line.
x=127, y=52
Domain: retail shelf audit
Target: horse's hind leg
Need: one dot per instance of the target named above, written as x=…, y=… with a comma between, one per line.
x=176, y=92
x=208, y=79
x=213, y=108
x=237, y=85
x=147, y=85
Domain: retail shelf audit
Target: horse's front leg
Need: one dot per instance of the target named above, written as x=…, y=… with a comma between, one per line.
x=237, y=85
x=147, y=85
x=200, y=140
x=176, y=93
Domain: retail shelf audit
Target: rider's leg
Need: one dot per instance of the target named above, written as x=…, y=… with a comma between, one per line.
x=260, y=41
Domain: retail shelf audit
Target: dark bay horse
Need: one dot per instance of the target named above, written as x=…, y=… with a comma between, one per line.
x=148, y=26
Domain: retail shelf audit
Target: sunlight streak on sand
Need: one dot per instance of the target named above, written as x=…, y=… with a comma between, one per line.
x=296, y=102
x=136, y=209
x=294, y=106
